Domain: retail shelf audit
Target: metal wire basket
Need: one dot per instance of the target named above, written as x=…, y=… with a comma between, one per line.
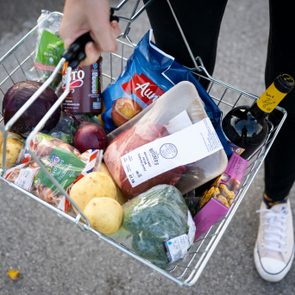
x=18, y=64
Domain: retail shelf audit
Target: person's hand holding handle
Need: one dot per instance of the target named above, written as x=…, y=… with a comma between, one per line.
x=88, y=28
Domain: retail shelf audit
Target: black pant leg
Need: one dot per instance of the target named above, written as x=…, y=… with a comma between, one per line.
x=280, y=162
x=200, y=21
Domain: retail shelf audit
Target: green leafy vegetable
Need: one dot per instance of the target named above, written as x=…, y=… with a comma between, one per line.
x=154, y=217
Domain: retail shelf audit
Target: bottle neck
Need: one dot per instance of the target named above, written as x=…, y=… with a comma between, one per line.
x=257, y=113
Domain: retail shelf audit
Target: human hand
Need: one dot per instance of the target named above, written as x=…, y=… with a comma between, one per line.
x=93, y=16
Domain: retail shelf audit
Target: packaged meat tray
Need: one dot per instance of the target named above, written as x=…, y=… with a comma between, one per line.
x=170, y=142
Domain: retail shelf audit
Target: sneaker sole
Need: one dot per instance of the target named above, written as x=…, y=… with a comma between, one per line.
x=271, y=277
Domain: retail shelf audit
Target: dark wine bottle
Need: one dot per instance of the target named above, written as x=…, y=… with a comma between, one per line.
x=247, y=126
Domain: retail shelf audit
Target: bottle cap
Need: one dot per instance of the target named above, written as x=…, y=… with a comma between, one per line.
x=285, y=83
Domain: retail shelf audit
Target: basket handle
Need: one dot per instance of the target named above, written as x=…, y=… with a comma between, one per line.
x=76, y=52
x=74, y=55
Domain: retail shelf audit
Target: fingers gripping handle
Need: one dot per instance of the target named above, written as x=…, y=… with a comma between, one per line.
x=76, y=52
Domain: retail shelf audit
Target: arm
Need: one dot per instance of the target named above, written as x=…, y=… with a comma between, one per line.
x=81, y=16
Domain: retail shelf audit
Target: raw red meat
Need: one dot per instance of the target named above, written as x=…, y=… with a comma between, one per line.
x=125, y=143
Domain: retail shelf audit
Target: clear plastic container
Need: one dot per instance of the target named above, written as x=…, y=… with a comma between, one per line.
x=171, y=142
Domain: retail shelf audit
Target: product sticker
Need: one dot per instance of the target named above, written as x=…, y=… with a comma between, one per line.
x=186, y=146
x=177, y=247
x=26, y=177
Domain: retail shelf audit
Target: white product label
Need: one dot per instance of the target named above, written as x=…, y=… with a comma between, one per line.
x=25, y=178
x=179, y=122
x=186, y=146
x=177, y=247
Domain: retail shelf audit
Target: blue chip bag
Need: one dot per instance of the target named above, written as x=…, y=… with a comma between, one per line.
x=148, y=74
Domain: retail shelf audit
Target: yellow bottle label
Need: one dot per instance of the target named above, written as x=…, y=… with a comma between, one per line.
x=270, y=99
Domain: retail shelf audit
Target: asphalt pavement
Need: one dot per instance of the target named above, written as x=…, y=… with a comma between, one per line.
x=55, y=257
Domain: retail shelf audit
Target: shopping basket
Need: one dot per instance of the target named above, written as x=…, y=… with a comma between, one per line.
x=17, y=65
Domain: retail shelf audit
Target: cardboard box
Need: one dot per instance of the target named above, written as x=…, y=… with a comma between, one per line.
x=219, y=197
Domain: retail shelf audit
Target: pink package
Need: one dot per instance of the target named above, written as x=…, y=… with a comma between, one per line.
x=218, y=199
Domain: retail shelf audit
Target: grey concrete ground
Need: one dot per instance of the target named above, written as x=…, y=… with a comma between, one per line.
x=55, y=257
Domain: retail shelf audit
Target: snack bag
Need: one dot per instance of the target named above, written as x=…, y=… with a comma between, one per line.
x=148, y=74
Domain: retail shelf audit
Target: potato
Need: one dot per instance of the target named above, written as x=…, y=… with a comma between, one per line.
x=94, y=184
x=120, y=198
x=104, y=214
x=102, y=168
x=14, y=145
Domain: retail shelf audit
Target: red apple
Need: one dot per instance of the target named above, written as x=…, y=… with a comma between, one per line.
x=90, y=135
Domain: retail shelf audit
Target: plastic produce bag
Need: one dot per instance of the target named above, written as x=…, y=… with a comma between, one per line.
x=50, y=46
x=158, y=226
x=61, y=160
x=65, y=128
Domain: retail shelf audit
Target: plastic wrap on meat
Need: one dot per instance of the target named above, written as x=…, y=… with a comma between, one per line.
x=125, y=143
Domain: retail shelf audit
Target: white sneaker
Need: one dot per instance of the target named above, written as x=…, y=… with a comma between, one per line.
x=274, y=247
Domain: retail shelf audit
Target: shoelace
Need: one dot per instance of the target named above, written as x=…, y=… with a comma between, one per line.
x=274, y=229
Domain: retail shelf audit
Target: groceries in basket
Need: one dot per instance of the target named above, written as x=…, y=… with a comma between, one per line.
x=157, y=226
x=17, y=95
x=216, y=200
x=167, y=143
x=148, y=74
x=170, y=142
x=85, y=94
x=61, y=160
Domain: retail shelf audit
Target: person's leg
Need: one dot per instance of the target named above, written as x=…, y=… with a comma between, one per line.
x=280, y=161
x=200, y=21
x=274, y=248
